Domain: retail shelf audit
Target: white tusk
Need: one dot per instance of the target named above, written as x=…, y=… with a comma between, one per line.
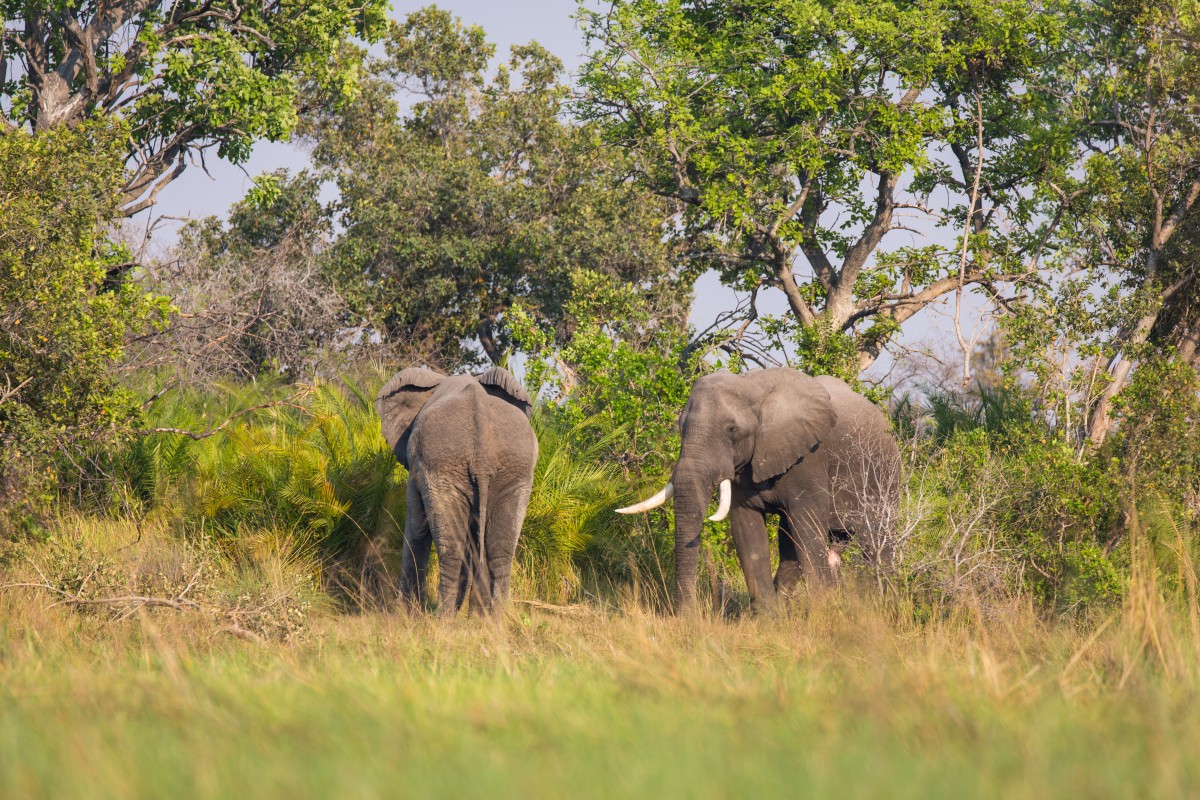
x=835, y=561
x=657, y=500
x=725, y=501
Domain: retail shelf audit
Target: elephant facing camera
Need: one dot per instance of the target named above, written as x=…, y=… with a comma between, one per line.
x=778, y=441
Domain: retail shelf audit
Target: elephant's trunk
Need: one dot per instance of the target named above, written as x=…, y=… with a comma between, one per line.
x=694, y=485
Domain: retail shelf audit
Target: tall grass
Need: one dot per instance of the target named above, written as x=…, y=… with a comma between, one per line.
x=846, y=694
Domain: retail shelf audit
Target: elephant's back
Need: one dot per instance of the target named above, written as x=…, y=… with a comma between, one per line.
x=858, y=419
x=508, y=441
x=463, y=428
x=864, y=460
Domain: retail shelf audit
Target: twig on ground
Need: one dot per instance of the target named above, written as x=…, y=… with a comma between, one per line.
x=573, y=611
x=134, y=601
x=241, y=633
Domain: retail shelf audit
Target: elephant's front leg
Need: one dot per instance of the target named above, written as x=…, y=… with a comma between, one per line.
x=417, y=542
x=749, y=530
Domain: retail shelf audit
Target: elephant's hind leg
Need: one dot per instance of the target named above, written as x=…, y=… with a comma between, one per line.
x=506, y=513
x=414, y=560
x=464, y=583
x=448, y=509
x=804, y=531
x=476, y=569
x=787, y=577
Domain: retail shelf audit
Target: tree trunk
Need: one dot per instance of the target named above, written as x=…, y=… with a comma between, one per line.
x=487, y=340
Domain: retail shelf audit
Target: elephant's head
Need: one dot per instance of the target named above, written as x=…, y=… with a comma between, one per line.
x=403, y=397
x=750, y=427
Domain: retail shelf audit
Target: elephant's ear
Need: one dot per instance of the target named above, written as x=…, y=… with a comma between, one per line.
x=398, y=403
x=796, y=415
x=499, y=382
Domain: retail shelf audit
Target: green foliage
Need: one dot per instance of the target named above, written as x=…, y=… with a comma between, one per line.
x=1064, y=514
x=995, y=410
x=65, y=308
x=1127, y=238
x=1158, y=433
x=820, y=349
x=1013, y=503
x=572, y=536
x=186, y=77
x=318, y=472
x=622, y=377
x=478, y=195
x=806, y=128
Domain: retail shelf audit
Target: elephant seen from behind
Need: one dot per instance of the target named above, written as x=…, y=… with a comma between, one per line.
x=809, y=449
x=470, y=453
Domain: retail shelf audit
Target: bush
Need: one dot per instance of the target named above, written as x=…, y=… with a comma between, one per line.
x=296, y=473
x=1004, y=504
x=65, y=309
x=621, y=380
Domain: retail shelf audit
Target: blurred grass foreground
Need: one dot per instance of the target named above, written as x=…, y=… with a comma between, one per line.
x=235, y=685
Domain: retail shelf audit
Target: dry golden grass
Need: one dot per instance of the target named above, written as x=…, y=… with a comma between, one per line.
x=264, y=689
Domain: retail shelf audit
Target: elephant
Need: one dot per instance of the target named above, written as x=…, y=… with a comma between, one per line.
x=470, y=452
x=780, y=441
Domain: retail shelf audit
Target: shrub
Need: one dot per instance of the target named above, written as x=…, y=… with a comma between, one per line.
x=620, y=381
x=1004, y=503
x=65, y=309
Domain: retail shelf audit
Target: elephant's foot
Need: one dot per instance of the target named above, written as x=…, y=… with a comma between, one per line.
x=766, y=603
x=787, y=578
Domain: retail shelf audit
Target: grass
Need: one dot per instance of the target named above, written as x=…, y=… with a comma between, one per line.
x=851, y=694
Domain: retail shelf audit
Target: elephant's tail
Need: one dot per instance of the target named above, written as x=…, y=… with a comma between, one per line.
x=481, y=512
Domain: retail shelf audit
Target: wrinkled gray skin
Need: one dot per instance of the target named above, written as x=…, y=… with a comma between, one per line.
x=470, y=452
x=808, y=449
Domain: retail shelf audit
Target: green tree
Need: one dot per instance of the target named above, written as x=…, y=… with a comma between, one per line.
x=462, y=194
x=188, y=77
x=1138, y=71
x=1125, y=293
x=622, y=376
x=64, y=315
x=800, y=134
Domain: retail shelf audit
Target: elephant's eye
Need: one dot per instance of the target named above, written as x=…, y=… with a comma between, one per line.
x=731, y=428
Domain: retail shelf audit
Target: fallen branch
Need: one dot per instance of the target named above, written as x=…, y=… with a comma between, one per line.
x=572, y=611
x=133, y=601
x=9, y=391
x=243, y=634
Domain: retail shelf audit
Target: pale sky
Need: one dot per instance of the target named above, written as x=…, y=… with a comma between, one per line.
x=506, y=22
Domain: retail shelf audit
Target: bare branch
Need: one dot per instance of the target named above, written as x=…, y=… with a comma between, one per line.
x=212, y=431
